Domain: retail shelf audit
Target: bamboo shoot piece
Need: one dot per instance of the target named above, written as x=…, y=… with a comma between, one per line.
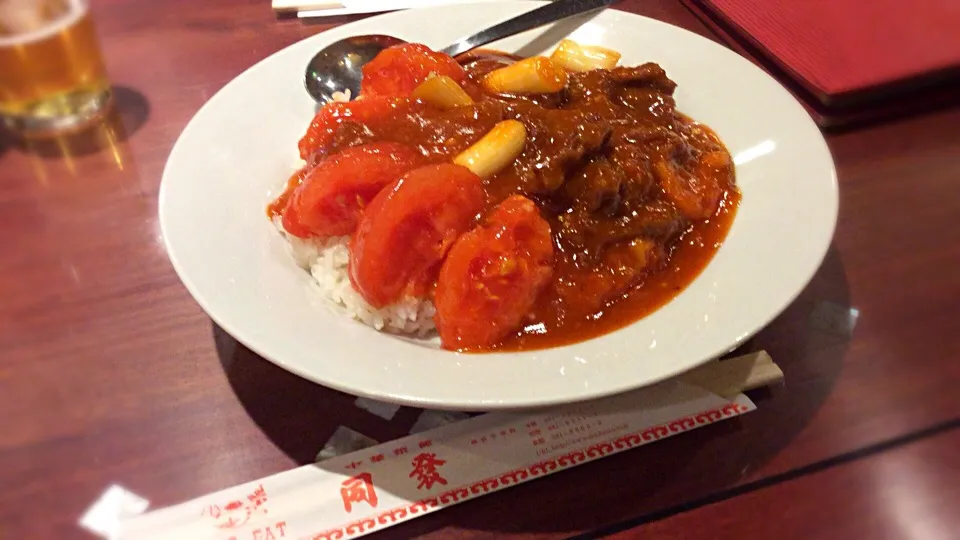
x=536, y=75
x=497, y=149
x=443, y=92
x=572, y=56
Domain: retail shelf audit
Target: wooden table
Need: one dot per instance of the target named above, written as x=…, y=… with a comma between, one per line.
x=110, y=373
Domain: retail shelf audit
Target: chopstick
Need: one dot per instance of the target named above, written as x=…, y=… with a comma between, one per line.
x=729, y=377
x=293, y=6
x=327, y=8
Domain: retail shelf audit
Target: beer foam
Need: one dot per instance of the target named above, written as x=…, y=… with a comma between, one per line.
x=19, y=13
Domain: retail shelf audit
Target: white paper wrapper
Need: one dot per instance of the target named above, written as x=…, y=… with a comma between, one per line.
x=371, y=489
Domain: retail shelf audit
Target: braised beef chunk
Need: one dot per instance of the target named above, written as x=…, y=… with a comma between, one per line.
x=634, y=165
x=542, y=101
x=596, y=186
x=617, y=95
x=591, y=90
x=649, y=74
x=589, y=233
x=645, y=135
x=557, y=140
x=436, y=133
x=647, y=99
x=656, y=220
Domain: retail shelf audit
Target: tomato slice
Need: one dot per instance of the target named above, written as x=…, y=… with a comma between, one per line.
x=493, y=275
x=331, y=198
x=398, y=70
x=328, y=119
x=408, y=228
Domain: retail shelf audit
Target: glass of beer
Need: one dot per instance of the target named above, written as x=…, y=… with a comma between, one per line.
x=51, y=72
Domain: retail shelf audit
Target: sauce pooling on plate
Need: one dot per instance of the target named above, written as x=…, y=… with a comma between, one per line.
x=600, y=201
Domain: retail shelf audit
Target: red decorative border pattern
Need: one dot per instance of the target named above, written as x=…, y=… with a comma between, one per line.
x=549, y=466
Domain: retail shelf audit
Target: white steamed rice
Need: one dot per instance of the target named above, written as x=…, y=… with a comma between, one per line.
x=327, y=260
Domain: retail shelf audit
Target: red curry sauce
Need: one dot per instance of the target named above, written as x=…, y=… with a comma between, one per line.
x=638, y=196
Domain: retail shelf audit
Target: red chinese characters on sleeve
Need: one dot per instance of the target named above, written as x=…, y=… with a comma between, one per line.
x=258, y=498
x=357, y=489
x=425, y=470
x=238, y=512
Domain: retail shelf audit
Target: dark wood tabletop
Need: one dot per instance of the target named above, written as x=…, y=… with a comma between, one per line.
x=111, y=374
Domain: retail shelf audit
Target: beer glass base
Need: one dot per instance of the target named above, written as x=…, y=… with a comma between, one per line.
x=58, y=114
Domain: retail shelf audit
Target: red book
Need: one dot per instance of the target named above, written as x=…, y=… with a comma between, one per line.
x=847, y=57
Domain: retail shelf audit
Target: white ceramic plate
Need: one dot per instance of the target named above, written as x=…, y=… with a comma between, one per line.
x=242, y=145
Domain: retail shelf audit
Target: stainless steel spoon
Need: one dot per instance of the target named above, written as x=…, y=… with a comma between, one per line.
x=337, y=67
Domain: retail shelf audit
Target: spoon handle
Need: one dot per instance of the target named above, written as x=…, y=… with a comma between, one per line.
x=554, y=11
